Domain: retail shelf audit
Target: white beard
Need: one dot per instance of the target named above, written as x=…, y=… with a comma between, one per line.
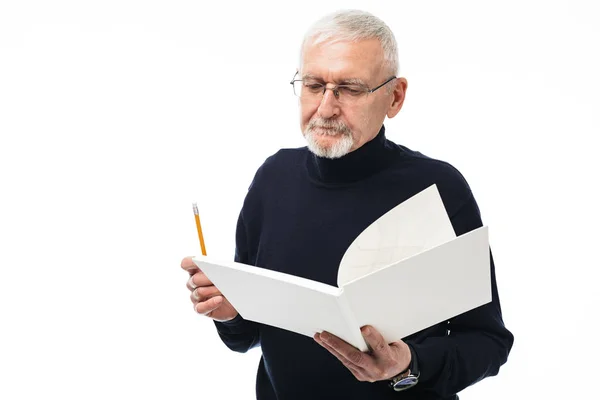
x=339, y=148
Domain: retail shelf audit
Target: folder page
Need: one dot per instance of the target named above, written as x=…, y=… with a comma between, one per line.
x=425, y=289
x=415, y=225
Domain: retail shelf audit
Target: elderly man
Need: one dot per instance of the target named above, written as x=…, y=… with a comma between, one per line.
x=304, y=208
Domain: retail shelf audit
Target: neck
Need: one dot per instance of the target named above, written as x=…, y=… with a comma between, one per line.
x=359, y=164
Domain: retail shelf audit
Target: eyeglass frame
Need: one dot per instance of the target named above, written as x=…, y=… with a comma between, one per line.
x=334, y=89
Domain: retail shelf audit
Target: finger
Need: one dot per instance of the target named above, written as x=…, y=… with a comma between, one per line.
x=190, y=284
x=188, y=265
x=376, y=342
x=333, y=351
x=194, y=297
x=351, y=353
x=207, y=307
x=198, y=280
x=204, y=293
x=356, y=371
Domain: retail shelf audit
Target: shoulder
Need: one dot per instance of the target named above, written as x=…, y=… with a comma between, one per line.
x=284, y=158
x=275, y=171
x=279, y=165
x=451, y=183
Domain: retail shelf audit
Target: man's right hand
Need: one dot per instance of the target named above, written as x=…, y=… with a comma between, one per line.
x=207, y=299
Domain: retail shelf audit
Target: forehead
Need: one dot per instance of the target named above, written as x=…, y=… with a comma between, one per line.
x=338, y=60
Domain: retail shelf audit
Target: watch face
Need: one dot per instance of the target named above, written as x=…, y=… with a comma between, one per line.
x=406, y=383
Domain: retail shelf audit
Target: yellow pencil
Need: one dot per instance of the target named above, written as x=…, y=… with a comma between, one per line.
x=197, y=216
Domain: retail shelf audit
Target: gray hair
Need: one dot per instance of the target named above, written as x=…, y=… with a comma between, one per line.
x=353, y=26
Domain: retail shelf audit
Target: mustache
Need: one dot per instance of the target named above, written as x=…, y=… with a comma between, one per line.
x=334, y=126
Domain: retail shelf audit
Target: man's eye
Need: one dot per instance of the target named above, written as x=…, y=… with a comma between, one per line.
x=351, y=90
x=314, y=87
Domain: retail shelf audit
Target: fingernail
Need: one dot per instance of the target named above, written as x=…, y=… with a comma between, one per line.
x=191, y=281
x=367, y=331
x=195, y=294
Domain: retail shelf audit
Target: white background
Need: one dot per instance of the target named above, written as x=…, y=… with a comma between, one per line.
x=116, y=115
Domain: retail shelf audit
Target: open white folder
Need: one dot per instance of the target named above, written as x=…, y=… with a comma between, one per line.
x=405, y=272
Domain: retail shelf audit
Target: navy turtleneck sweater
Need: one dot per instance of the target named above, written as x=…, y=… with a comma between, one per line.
x=300, y=215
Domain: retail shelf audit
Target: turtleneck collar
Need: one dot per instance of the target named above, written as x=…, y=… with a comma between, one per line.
x=361, y=163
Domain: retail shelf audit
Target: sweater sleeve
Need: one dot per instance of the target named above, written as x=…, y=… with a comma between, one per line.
x=476, y=344
x=239, y=334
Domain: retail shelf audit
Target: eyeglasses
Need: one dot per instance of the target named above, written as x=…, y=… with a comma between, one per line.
x=311, y=89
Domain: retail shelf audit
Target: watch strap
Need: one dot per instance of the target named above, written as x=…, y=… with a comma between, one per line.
x=409, y=377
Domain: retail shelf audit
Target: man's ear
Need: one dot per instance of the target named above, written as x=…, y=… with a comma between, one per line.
x=399, y=94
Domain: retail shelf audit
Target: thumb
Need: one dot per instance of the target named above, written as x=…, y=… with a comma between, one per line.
x=188, y=265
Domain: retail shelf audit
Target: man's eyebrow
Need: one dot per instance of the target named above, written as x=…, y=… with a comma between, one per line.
x=353, y=81
x=348, y=81
x=311, y=76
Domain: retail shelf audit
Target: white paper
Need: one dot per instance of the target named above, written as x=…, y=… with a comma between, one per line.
x=406, y=272
x=415, y=225
x=281, y=300
x=425, y=289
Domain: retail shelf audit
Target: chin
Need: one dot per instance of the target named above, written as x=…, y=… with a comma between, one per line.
x=328, y=146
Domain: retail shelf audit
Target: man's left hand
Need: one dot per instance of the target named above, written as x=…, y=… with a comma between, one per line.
x=383, y=361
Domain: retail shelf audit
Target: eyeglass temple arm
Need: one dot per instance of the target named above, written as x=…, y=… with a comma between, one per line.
x=384, y=83
x=292, y=81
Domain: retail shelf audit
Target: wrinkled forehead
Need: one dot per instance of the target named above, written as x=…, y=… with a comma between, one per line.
x=334, y=60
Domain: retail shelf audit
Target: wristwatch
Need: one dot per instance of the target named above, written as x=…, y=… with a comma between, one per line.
x=407, y=378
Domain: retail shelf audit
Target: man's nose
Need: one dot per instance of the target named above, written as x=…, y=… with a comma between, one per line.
x=330, y=105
